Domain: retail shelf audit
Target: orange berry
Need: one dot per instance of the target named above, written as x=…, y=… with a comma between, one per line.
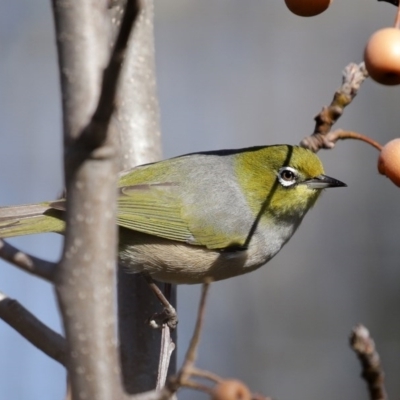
x=389, y=161
x=230, y=389
x=307, y=8
x=382, y=56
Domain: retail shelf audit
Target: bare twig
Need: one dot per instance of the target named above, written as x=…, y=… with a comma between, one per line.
x=183, y=376
x=201, y=373
x=191, y=353
x=188, y=383
x=167, y=347
x=26, y=262
x=364, y=346
x=35, y=331
x=353, y=76
x=329, y=140
x=397, y=19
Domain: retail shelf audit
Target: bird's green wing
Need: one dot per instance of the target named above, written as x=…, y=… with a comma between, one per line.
x=153, y=200
x=154, y=209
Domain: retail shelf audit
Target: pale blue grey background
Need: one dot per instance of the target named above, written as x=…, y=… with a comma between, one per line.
x=231, y=74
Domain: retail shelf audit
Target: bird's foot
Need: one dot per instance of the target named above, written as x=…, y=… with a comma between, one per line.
x=168, y=316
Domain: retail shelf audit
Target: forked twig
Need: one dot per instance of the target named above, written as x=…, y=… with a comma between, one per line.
x=329, y=140
x=353, y=76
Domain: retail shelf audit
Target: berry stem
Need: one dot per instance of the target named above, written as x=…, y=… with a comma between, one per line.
x=328, y=140
x=397, y=20
x=358, y=136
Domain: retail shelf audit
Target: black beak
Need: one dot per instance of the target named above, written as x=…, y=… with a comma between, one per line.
x=323, y=181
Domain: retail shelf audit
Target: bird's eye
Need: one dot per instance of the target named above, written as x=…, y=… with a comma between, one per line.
x=287, y=176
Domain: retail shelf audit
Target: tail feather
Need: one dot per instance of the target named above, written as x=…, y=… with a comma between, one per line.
x=30, y=219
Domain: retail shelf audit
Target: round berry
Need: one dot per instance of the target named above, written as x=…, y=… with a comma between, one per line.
x=389, y=161
x=230, y=389
x=382, y=56
x=307, y=8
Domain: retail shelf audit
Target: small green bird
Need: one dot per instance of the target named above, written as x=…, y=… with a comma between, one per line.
x=210, y=215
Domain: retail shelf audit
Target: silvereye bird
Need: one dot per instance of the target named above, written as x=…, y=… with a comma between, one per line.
x=210, y=215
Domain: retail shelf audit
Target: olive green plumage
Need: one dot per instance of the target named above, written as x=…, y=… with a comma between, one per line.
x=213, y=214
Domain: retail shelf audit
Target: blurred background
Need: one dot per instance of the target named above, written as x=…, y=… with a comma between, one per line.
x=231, y=74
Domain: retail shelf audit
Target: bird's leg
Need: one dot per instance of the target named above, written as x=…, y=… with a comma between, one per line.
x=168, y=315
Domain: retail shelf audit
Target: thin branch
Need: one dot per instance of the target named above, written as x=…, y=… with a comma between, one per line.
x=26, y=262
x=201, y=373
x=33, y=330
x=167, y=347
x=196, y=386
x=191, y=353
x=184, y=373
x=397, y=19
x=329, y=140
x=372, y=371
x=353, y=76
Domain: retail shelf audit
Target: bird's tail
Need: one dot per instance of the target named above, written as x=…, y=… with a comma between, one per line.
x=30, y=219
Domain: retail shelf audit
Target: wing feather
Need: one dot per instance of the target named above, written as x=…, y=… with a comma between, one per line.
x=154, y=209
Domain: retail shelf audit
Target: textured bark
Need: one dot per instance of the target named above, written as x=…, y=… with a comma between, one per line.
x=85, y=278
x=136, y=119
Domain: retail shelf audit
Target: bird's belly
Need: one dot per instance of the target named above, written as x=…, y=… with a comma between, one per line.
x=176, y=262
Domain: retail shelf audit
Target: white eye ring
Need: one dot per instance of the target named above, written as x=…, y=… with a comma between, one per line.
x=287, y=176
